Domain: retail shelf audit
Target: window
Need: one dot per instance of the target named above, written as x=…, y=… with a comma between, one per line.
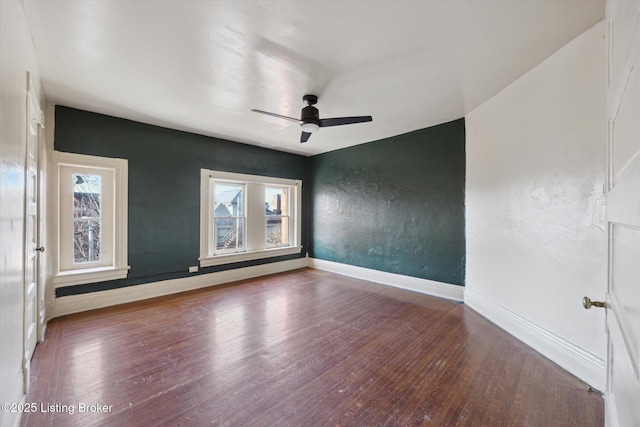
x=246, y=217
x=92, y=217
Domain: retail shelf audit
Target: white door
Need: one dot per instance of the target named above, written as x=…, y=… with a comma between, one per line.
x=31, y=234
x=623, y=215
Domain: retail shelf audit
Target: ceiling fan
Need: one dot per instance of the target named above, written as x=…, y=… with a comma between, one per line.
x=310, y=120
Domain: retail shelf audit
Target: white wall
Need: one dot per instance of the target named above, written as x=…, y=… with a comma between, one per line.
x=17, y=56
x=534, y=200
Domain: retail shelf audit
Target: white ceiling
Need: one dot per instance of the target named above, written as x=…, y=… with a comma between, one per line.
x=201, y=66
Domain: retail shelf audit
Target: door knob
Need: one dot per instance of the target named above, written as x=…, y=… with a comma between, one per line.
x=40, y=249
x=587, y=303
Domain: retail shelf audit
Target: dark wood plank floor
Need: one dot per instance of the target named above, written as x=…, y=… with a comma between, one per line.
x=304, y=348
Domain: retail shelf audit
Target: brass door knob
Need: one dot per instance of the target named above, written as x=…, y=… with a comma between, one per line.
x=587, y=303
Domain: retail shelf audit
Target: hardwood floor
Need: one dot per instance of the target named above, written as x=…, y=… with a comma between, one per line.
x=304, y=348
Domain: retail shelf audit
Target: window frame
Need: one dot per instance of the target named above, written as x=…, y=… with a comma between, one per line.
x=255, y=246
x=114, y=200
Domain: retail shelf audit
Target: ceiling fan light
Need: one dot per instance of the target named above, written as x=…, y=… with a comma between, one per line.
x=309, y=127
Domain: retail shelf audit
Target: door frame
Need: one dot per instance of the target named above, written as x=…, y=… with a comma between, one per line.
x=623, y=212
x=33, y=113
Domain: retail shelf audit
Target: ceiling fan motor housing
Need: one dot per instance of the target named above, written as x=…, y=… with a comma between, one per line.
x=310, y=115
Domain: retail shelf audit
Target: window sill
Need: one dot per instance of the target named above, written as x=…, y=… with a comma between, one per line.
x=248, y=256
x=89, y=275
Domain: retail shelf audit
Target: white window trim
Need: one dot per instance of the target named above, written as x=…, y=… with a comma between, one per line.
x=206, y=203
x=118, y=267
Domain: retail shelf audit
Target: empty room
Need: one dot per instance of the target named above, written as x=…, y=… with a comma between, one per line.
x=320, y=213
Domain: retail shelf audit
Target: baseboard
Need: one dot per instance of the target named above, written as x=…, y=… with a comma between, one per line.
x=91, y=301
x=581, y=363
x=423, y=286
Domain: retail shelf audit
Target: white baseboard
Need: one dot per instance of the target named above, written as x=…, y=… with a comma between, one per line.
x=90, y=301
x=424, y=286
x=581, y=363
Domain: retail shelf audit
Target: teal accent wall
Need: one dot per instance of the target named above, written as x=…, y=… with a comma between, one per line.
x=164, y=188
x=394, y=205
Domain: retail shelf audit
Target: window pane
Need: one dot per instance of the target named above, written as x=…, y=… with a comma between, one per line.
x=229, y=222
x=86, y=245
x=277, y=231
x=229, y=200
x=276, y=210
x=276, y=201
x=87, y=217
x=229, y=233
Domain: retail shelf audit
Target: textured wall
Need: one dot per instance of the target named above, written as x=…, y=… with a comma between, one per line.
x=395, y=205
x=164, y=187
x=535, y=178
x=17, y=56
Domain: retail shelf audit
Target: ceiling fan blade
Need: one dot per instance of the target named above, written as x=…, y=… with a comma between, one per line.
x=338, y=121
x=278, y=116
x=304, y=137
